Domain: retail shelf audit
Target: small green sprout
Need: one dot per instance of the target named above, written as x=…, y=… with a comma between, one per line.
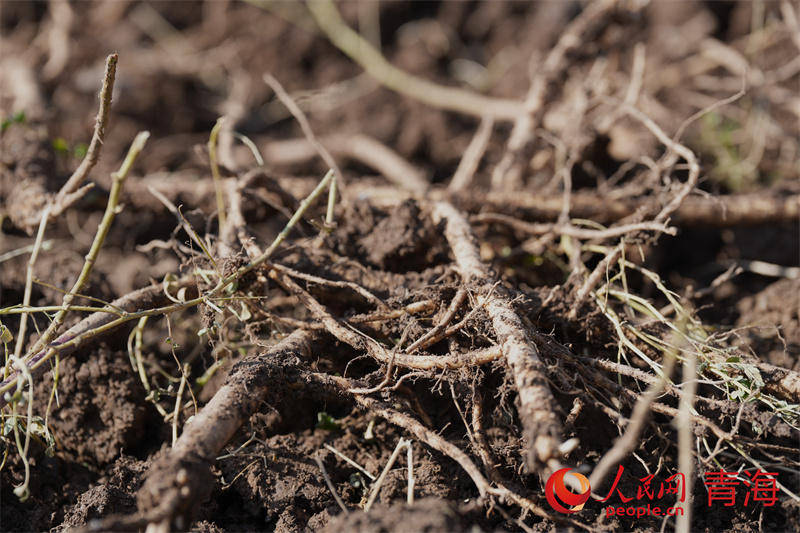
x=327, y=422
x=16, y=118
x=173, y=345
x=80, y=150
x=60, y=145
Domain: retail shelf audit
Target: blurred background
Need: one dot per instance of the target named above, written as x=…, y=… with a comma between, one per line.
x=722, y=75
x=183, y=64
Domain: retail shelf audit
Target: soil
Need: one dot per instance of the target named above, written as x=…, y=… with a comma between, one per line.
x=183, y=64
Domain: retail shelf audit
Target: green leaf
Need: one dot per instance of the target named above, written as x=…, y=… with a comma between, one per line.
x=16, y=118
x=327, y=422
x=80, y=150
x=60, y=145
x=755, y=376
x=5, y=334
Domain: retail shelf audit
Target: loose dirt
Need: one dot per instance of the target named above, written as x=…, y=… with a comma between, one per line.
x=725, y=286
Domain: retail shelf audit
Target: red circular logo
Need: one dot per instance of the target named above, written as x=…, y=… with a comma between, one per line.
x=556, y=487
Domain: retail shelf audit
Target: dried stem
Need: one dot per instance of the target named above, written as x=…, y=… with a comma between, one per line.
x=724, y=211
x=70, y=341
x=479, y=435
x=507, y=173
x=429, y=437
x=371, y=60
x=573, y=231
x=214, y=164
x=359, y=147
x=70, y=191
x=360, y=342
x=685, y=436
x=674, y=146
x=328, y=482
x=435, y=334
x=102, y=230
x=402, y=443
x=301, y=118
x=358, y=289
x=594, y=278
x=435, y=441
x=26, y=299
x=96, y=144
x=472, y=156
x=117, y=313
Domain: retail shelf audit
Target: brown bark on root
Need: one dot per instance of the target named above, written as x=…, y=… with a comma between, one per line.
x=718, y=211
x=724, y=211
x=182, y=478
x=537, y=407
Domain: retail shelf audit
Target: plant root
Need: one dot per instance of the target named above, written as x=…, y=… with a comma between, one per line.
x=182, y=478
x=537, y=407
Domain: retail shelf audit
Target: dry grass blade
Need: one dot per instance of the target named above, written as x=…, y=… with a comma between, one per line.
x=214, y=164
x=359, y=147
x=472, y=156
